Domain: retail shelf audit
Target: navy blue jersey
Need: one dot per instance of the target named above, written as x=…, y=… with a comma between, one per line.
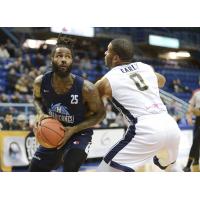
x=68, y=108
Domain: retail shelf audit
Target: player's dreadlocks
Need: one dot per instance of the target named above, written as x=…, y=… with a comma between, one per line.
x=64, y=41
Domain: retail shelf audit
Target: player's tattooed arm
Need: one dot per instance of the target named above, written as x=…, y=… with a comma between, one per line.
x=37, y=98
x=95, y=108
x=94, y=114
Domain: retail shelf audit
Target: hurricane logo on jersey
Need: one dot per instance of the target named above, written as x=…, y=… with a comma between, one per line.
x=59, y=109
x=61, y=113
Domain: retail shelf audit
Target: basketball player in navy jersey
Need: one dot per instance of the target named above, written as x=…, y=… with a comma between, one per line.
x=71, y=100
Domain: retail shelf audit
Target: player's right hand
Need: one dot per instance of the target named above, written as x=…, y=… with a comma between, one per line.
x=69, y=131
x=39, y=118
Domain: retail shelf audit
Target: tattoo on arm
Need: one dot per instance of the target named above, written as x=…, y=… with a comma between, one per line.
x=37, y=95
x=38, y=106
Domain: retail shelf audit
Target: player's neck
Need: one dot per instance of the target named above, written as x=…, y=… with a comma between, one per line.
x=62, y=85
x=65, y=80
x=120, y=63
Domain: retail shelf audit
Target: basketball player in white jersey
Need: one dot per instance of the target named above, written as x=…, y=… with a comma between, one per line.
x=134, y=89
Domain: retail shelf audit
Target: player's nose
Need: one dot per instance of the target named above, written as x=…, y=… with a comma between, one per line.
x=63, y=60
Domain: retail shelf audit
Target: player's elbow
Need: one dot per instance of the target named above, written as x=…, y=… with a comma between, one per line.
x=161, y=81
x=161, y=84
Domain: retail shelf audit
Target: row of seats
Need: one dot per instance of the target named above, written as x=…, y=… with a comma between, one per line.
x=188, y=77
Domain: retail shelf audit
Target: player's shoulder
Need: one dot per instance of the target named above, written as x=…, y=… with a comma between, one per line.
x=88, y=86
x=197, y=91
x=102, y=82
x=114, y=72
x=89, y=91
x=104, y=87
x=143, y=65
x=37, y=86
x=38, y=79
x=138, y=66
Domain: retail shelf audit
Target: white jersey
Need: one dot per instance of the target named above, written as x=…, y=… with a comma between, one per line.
x=135, y=90
x=152, y=133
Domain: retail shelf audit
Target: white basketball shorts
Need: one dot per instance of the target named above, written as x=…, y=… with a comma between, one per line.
x=153, y=135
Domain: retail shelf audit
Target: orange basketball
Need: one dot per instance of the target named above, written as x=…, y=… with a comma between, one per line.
x=49, y=132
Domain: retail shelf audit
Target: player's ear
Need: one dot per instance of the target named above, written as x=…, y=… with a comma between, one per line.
x=116, y=59
x=52, y=59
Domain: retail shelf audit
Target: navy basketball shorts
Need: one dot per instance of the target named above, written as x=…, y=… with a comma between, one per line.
x=51, y=158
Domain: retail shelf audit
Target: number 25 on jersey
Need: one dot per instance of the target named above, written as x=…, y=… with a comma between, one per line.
x=74, y=99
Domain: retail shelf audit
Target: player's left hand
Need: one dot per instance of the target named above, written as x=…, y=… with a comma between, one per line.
x=69, y=131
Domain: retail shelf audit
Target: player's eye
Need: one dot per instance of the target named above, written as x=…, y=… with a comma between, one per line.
x=59, y=56
x=68, y=56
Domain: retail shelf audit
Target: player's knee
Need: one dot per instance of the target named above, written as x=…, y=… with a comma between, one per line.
x=73, y=160
x=35, y=167
x=44, y=162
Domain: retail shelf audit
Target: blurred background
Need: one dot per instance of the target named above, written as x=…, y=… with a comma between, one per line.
x=25, y=53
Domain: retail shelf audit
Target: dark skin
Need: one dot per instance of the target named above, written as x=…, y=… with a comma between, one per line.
x=61, y=85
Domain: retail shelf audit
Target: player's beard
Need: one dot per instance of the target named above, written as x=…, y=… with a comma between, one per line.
x=59, y=72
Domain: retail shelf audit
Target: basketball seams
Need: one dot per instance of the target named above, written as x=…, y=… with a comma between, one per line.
x=55, y=122
x=41, y=138
x=46, y=128
x=47, y=140
x=52, y=130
